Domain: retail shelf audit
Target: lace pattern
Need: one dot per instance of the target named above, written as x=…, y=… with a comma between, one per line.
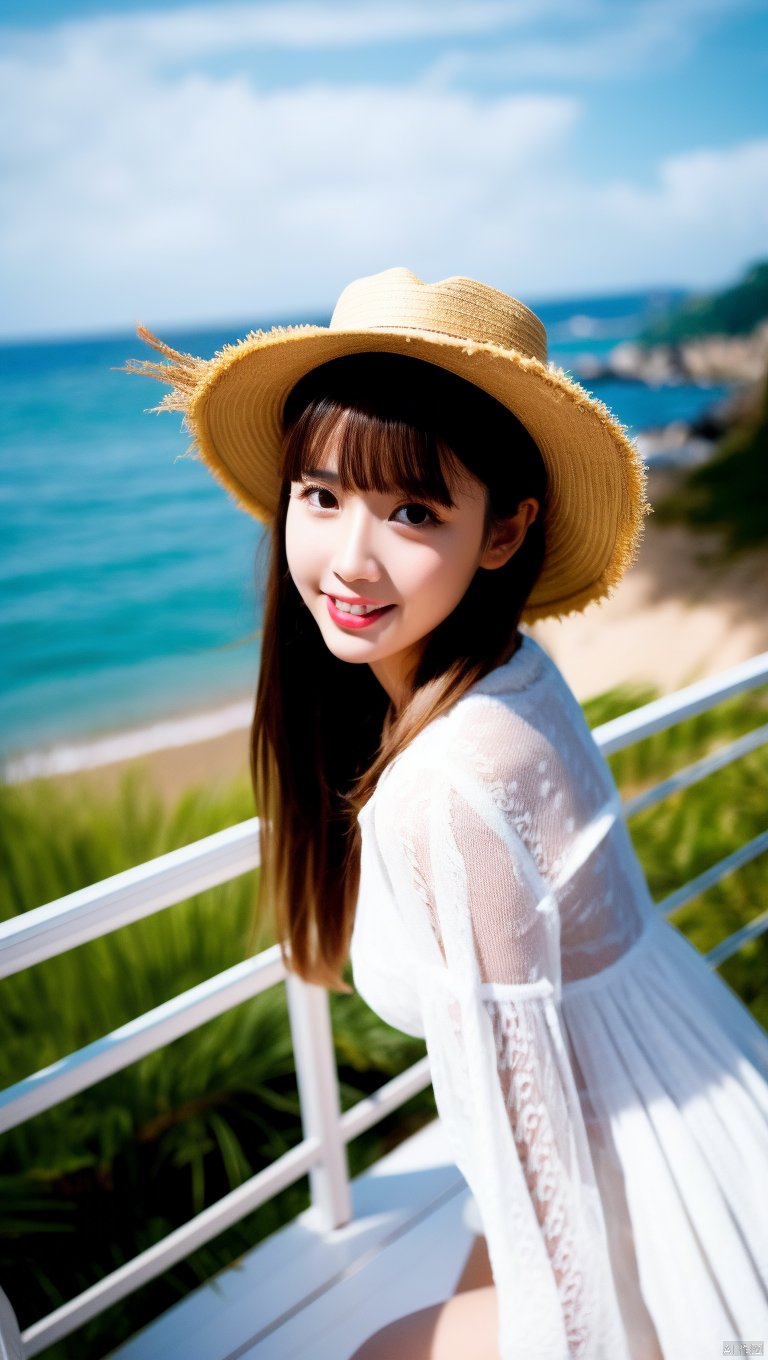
x=505, y=856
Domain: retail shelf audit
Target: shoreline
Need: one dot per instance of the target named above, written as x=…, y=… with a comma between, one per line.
x=171, y=770
x=674, y=618
x=186, y=729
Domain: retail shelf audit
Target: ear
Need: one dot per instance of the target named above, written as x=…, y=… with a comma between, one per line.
x=507, y=535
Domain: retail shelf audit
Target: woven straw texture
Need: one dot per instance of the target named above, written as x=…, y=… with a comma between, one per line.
x=595, y=508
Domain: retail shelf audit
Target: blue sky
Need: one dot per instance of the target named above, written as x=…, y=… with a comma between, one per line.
x=184, y=163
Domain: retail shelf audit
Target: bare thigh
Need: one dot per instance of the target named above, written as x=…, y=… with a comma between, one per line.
x=465, y=1325
x=477, y=1267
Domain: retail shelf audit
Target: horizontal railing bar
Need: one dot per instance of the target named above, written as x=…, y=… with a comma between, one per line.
x=180, y=1243
x=733, y=943
x=692, y=774
x=105, y=906
x=150, y=887
x=184, y=1240
x=683, y=703
x=287, y=1169
x=387, y=1098
x=145, y=1034
x=714, y=874
x=128, y=896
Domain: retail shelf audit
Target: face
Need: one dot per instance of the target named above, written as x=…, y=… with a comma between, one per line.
x=379, y=571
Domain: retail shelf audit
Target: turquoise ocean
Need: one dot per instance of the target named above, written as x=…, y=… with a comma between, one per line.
x=129, y=581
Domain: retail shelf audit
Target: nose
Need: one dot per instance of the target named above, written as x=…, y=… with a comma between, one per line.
x=355, y=557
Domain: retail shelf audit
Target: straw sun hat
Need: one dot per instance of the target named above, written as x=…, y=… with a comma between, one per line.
x=595, y=505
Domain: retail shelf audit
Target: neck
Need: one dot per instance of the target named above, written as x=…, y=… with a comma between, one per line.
x=396, y=674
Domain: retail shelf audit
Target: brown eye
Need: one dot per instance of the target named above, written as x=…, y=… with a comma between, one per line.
x=320, y=497
x=415, y=515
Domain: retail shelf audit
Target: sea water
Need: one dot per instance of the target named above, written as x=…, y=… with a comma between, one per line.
x=130, y=582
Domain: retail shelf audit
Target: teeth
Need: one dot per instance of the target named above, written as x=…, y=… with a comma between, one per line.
x=346, y=608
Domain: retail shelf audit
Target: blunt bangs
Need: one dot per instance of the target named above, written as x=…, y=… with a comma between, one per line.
x=407, y=426
x=373, y=453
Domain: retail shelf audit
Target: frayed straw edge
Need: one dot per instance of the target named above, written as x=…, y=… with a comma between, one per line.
x=183, y=373
x=187, y=375
x=625, y=552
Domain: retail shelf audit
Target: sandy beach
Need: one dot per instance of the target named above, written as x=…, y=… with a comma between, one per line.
x=677, y=616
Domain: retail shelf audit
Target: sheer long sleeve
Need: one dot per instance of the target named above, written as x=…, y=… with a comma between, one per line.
x=484, y=926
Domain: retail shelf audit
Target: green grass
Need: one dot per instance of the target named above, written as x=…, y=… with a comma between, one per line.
x=89, y=1184
x=693, y=829
x=86, y=1186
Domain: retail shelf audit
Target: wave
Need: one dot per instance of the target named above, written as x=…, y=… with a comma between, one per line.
x=118, y=746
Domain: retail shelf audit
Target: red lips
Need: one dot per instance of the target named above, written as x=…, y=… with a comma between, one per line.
x=345, y=620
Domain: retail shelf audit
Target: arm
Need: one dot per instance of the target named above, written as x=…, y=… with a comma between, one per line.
x=487, y=930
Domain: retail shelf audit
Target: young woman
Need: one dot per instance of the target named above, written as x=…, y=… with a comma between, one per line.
x=436, y=809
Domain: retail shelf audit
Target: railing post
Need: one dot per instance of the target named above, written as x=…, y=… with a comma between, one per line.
x=11, y=1344
x=318, y=1083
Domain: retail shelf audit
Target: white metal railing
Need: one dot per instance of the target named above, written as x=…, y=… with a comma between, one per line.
x=52, y=929
x=127, y=897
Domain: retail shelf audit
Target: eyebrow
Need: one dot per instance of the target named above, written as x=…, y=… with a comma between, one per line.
x=322, y=474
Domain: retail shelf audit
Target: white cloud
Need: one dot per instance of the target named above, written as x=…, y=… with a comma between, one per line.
x=205, y=31
x=702, y=218
x=600, y=41
x=611, y=52
x=706, y=203
x=201, y=196
x=210, y=30
x=132, y=193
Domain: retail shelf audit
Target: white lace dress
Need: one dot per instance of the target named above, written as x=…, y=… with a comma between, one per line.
x=604, y=1092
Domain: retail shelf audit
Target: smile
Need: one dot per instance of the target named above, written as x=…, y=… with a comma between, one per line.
x=349, y=615
x=347, y=608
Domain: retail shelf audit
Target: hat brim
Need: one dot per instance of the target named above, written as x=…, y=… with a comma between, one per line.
x=595, y=504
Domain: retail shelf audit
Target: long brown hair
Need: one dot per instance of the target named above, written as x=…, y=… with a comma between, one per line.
x=323, y=729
